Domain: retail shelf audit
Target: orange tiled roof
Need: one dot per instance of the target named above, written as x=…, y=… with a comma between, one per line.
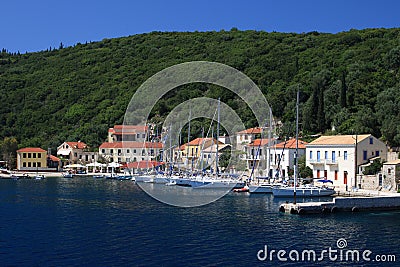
x=259, y=142
x=144, y=164
x=199, y=141
x=255, y=130
x=32, y=149
x=54, y=158
x=131, y=145
x=291, y=144
x=339, y=139
x=79, y=145
x=128, y=129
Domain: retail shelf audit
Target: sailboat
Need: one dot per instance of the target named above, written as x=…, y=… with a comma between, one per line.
x=305, y=190
x=219, y=181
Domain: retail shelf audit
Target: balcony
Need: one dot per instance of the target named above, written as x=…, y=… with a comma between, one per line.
x=331, y=162
x=316, y=161
x=251, y=157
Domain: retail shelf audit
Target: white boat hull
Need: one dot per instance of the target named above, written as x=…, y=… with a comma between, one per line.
x=260, y=189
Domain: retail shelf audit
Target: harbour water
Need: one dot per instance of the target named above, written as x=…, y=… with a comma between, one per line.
x=98, y=222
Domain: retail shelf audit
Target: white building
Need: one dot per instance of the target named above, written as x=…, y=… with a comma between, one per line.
x=130, y=151
x=121, y=133
x=76, y=152
x=334, y=157
x=282, y=156
x=247, y=136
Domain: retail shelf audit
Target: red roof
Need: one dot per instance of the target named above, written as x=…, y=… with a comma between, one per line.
x=128, y=129
x=291, y=143
x=259, y=142
x=79, y=145
x=200, y=141
x=144, y=164
x=32, y=149
x=255, y=130
x=54, y=158
x=131, y=144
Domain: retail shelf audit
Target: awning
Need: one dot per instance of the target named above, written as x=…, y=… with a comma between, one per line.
x=63, y=152
x=74, y=166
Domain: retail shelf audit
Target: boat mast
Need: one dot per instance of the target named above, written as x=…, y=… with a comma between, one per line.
x=297, y=148
x=170, y=149
x=216, y=154
x=268, y=157
x=190, y=117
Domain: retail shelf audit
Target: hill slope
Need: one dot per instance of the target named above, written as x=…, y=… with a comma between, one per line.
x=349, y=80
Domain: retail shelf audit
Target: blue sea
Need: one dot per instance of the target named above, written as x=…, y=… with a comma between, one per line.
x=98, y=222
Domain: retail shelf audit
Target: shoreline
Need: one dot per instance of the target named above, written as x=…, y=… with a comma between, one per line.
x=46, y=174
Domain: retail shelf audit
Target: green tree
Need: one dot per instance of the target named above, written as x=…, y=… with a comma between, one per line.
x=8, y=148
x=374, y=168
x=304, y=171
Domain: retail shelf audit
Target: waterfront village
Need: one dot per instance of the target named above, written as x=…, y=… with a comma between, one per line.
x=340, y=159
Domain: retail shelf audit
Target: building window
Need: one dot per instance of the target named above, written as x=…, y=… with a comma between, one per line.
x=29, y=164
x=29, y=155
x=336, y=175
x=389, y=170
x=24, y=155
x=311, y=155
x=24, y=164
x=318, y=173
x=134, y=151
x=377, y=153
x=333, y=156
x=134, y=159
x=111, y=151
x=326, y=154
x=34, y=164
x=365, y=155
x=318, y=156
x=75, y=154
x=371, y=140
x=34, y=155
x=103, y=151
x=137, y=136
x=345, y=155
x=143, y=136
x=128, y=151
x=39, y=156
x=39, y=164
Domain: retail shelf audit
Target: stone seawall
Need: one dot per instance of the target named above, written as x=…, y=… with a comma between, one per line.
x=367, y=203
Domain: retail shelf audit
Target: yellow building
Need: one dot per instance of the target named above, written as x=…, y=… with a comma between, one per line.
x=31, y=159
x=194, y=147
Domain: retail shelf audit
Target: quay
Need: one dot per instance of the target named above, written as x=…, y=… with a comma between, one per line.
x=347, y=204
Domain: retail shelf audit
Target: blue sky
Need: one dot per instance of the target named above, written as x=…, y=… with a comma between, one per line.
x=27, y=25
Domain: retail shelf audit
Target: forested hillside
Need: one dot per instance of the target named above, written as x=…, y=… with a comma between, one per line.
x=348, y=80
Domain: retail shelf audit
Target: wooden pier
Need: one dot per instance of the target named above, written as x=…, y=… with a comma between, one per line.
x=349, y=204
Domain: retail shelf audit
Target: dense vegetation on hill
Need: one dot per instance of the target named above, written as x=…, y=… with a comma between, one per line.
x=348, y=80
